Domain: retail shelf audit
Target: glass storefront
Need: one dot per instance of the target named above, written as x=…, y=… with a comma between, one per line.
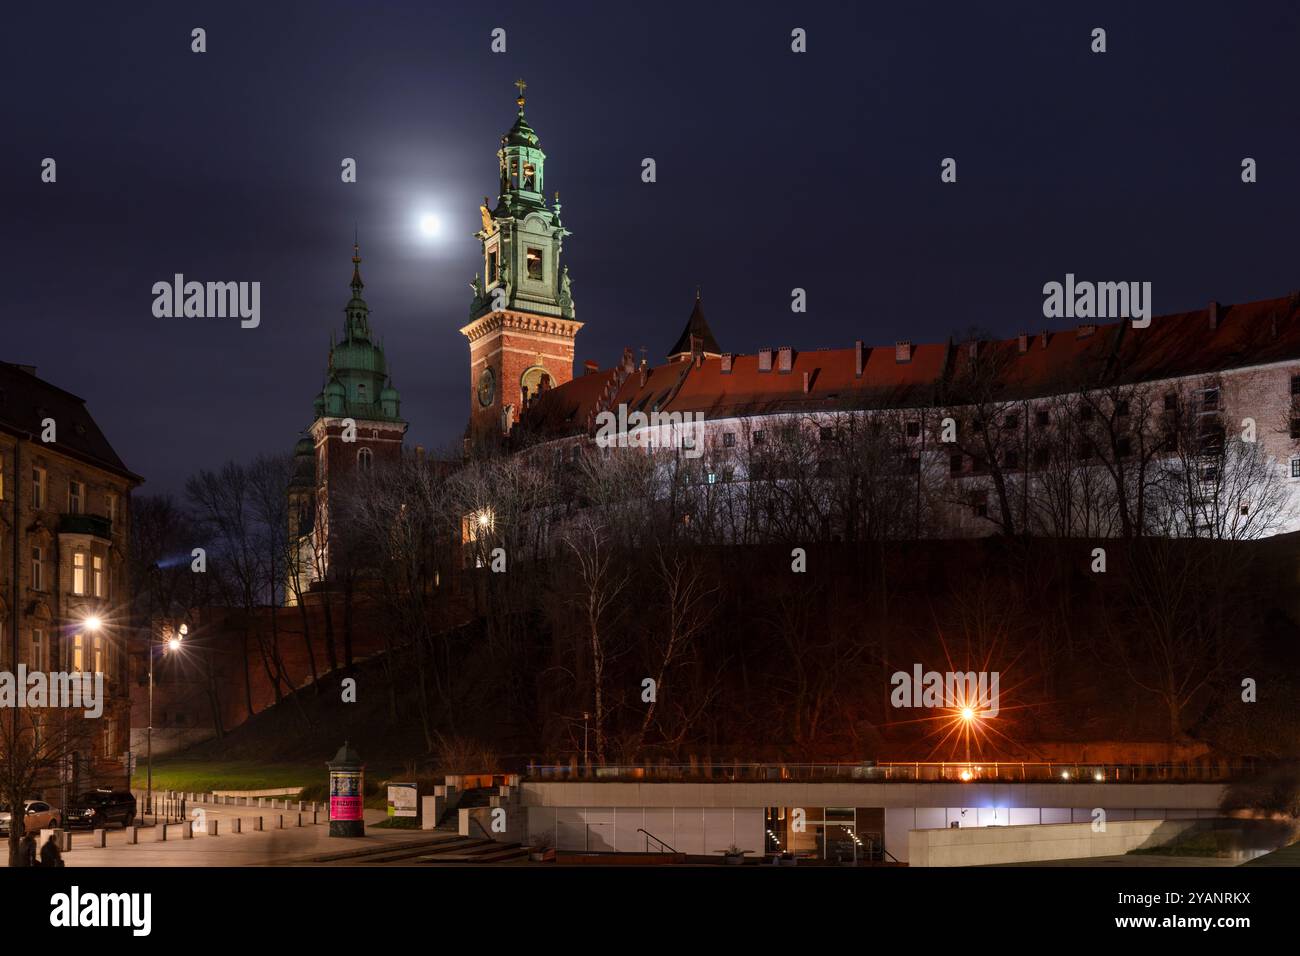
x=834, y=834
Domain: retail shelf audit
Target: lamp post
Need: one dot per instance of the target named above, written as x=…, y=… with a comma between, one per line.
x=173, y=643
x=967, y=715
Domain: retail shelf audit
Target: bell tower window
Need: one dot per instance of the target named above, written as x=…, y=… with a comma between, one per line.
x=530, y=177
x=364, y=459
x=534, y=263
x=492, y=266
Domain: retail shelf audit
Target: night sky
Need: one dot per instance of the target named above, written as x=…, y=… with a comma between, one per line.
x=775, y=170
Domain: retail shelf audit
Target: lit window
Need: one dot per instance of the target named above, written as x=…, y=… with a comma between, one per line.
x=534, y=263
x=98, y=643
x=78, y=572
x=97, y=564
x=78, y=653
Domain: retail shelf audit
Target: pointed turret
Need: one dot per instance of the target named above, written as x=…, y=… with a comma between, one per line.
x=697, y=334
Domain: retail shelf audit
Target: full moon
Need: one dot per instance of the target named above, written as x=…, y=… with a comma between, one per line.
x=429, y=225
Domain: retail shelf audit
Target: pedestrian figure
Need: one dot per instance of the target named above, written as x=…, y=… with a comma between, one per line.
x=27, y=850
x=51, y=855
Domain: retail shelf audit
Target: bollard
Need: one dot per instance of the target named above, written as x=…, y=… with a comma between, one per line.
x=132, y=836
x=161, y=831
x=235, y=826
x=300, y=819
x=314, y=815
x=301, y=806
x=99, y=838
x=65, y=840
x=212, y=827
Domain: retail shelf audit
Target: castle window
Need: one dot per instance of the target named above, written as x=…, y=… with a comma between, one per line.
x=1042, y=418
x=534, y=263
x=76, y=496
x=729, y=439
x=757, y=438
x=913, y=429
x=1295, y=428
x=78, y=652
x=38, y=570
x=97, y=575
x=492, y=266
x=1295, y=467
x=530, y=177
x=364, y=459
x=361, y=393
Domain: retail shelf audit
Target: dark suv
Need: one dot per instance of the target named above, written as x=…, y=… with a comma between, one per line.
x=98, y=808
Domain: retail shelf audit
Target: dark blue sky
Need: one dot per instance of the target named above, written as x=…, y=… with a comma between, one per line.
x=775, y=170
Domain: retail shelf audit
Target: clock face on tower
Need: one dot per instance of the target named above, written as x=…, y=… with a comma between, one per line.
x=487, y=387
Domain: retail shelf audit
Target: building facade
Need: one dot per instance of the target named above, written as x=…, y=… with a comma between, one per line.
x=65, y=524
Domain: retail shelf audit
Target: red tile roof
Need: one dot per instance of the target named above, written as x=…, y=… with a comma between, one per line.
x=1175, y=345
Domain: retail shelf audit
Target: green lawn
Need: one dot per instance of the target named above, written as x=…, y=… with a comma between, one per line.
x=203, y=776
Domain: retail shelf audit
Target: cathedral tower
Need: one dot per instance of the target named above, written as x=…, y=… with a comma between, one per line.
x=522, y=327
x=358, y=424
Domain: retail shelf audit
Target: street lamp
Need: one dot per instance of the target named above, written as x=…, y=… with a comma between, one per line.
x=173, y=643
x=968, y=717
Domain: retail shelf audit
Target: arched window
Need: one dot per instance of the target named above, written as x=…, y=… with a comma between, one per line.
x=364, y=459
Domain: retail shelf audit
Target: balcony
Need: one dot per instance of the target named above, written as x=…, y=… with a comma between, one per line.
x=92, y=525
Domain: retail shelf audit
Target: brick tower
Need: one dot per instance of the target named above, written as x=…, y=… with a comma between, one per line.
x=522, y=327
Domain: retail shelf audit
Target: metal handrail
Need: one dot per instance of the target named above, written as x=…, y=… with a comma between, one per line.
x=650, y=836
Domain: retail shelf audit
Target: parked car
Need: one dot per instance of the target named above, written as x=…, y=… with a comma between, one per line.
x=98, y=808
x=39, y=816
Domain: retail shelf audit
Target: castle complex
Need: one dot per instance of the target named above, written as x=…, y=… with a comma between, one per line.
x=983, y=430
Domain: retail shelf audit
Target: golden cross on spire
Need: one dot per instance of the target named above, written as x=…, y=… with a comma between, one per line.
x=521, y=86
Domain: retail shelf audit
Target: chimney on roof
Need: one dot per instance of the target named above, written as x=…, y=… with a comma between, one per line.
x=1214, y=314
x=784, y=358
x=726, y=363
x=765, y=360
x=805, y=383
x=643, y=375
x=1022, y=343
x=857, y=359
x=902, y=351
x=590, y=367
x=1084, y=331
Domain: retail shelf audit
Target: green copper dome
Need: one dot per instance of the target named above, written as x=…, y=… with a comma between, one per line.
x=357, y=384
